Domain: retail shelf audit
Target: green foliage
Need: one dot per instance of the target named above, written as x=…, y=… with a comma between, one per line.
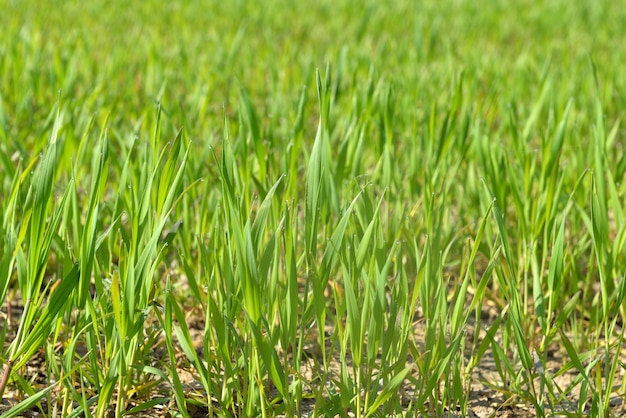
x=355, y=209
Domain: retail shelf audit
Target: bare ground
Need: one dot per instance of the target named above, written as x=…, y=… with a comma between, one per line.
x=489, y=396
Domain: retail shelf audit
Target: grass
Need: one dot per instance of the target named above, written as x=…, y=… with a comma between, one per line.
x=325, y=209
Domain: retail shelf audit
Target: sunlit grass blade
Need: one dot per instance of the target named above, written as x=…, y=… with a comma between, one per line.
x=42, y=327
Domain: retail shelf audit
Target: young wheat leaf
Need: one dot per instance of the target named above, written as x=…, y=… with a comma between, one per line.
x=43, y=327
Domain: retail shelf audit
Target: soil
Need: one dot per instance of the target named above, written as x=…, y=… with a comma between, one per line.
x=488, y=394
